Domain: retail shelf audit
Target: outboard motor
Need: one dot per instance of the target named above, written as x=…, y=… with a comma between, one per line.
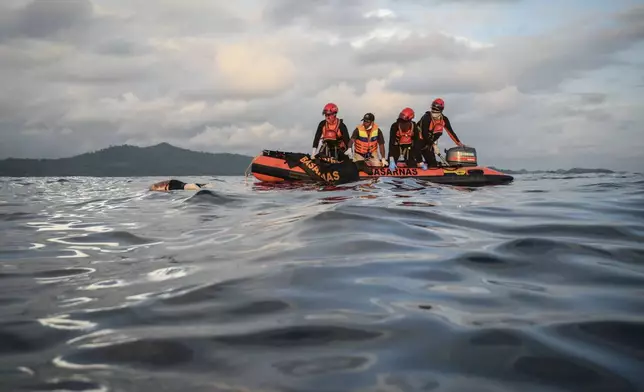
x=461, y=156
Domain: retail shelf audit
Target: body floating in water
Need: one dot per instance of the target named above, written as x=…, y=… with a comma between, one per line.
x=172, y=185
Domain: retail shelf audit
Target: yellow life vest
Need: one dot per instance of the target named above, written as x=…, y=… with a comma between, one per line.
x=366, y=144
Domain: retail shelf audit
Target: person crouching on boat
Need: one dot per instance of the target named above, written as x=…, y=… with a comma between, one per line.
x=432, y=124
x=403, y=136
x=367, y=140
x=173, y=185
x=334, y=134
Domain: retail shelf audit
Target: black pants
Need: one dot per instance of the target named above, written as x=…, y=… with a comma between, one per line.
x=426, y=150
x=363, y=167
x=407, y=152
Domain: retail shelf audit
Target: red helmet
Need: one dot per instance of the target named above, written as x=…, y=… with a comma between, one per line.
x=330, y=108
x=438, y=105
x=407, y=114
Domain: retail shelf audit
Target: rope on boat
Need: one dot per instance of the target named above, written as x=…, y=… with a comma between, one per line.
x=247, y=172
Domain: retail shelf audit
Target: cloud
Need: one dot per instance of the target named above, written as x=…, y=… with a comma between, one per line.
x=380, y=13
x=531, y=63
x=332, y=21
x=319, y=14
x=121, y=47
x=241, y=77
x=43, y=18
x=477, y=2
x=254, y=69
x=593, y=98
x=406, y=48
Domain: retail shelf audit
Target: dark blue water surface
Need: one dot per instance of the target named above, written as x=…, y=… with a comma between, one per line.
x=394, y=285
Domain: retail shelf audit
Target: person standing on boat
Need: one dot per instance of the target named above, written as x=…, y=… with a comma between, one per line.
x=334, y=134
x=432, y=124
x=367, y=140
x=403, y=137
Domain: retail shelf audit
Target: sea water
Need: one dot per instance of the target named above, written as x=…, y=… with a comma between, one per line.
x=388, y=285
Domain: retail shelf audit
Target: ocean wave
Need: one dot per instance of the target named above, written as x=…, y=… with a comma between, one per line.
x=379, y=285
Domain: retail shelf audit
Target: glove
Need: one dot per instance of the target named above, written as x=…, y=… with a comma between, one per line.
x=392, y=164
x=349, y=153
x=313, y=152
x=437, y=150
x=423, y=166
x=384, y=162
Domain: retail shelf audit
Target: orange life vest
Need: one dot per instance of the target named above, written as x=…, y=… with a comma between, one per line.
x=331, y=132
x=437, y=126
x=405, y=137
x=367, y=142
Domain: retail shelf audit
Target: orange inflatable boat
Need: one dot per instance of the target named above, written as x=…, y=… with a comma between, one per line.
x=461, y=169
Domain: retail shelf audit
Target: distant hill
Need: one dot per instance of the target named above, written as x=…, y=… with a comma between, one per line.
x=124, y=161
x=162, y=160
x=575, y=170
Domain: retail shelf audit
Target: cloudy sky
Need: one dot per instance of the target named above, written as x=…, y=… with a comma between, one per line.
x=532, y=83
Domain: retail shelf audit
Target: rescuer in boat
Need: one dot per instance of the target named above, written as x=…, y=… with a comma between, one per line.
x=432, y=124
x=173, y=185
x=403, y=137
x=367, y=140
x=334, y=134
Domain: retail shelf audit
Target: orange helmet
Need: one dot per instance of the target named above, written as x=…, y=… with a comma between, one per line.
x=407, y=114
x=330, y=108
x=438, y=105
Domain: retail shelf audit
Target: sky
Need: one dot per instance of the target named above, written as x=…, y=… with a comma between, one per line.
x=530, y=84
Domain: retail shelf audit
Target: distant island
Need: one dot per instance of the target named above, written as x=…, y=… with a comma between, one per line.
x=162, y=160
x=575, y=170
x=130, y=161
